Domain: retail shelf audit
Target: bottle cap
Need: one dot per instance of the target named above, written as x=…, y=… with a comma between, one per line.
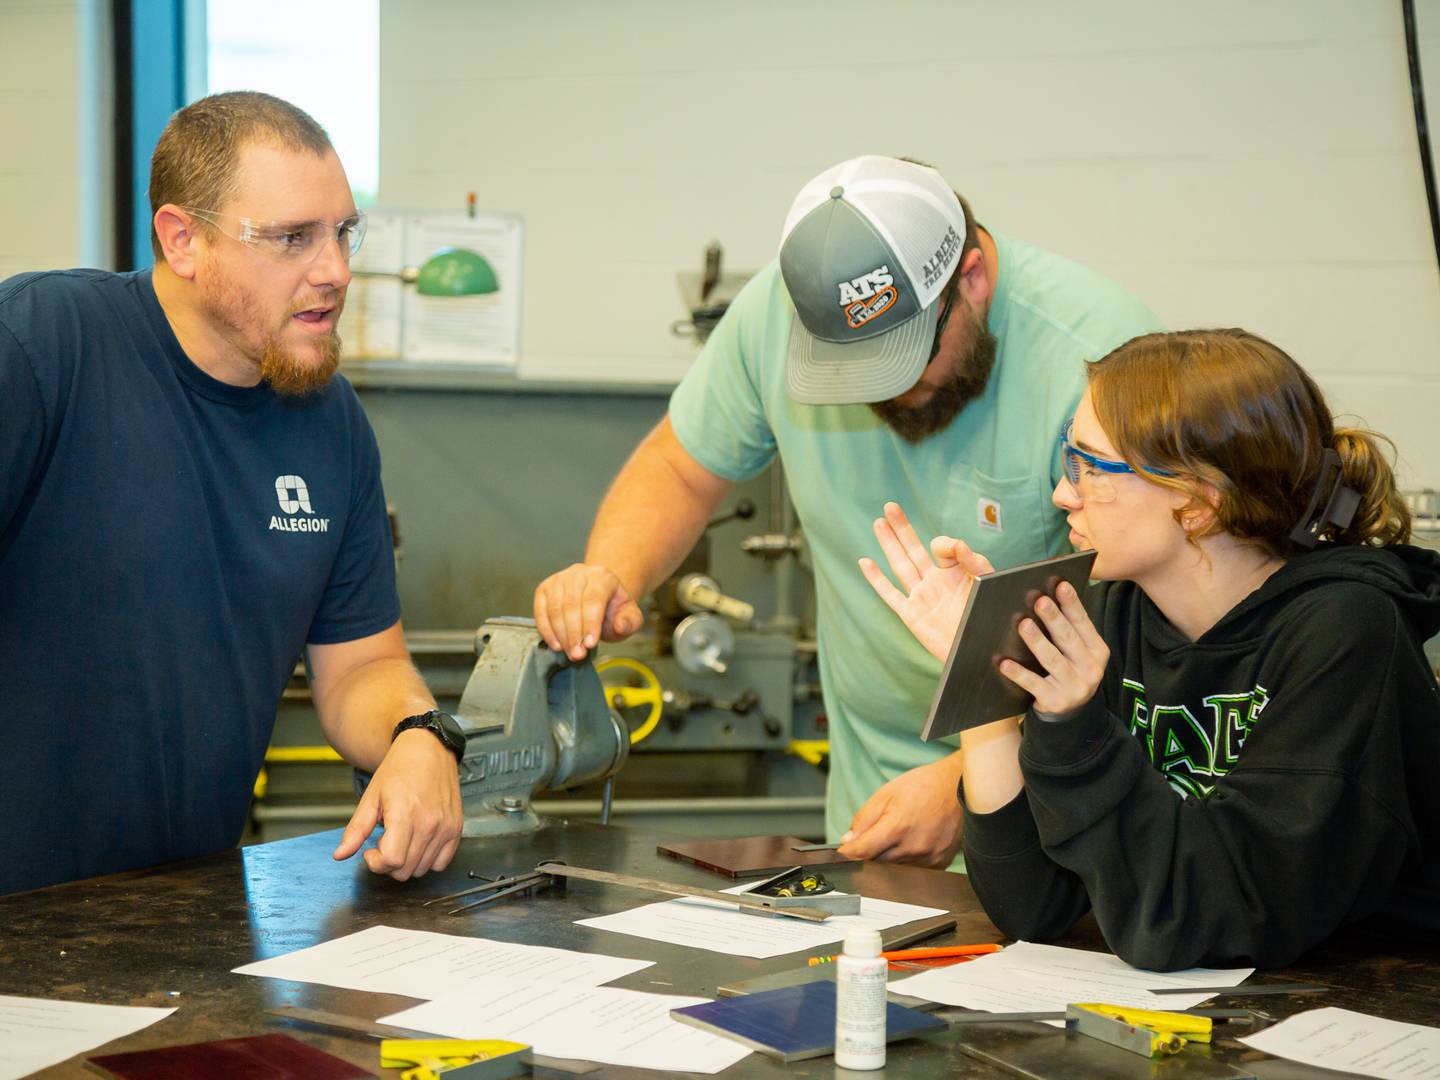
x=862, y=941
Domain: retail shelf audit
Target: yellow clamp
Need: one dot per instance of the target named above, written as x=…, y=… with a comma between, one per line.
x=1193, y=1028
x=1142, y=1031
x=647, y=695
x=430, y=1059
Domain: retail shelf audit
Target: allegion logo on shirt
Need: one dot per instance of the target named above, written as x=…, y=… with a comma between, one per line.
x=294, y=498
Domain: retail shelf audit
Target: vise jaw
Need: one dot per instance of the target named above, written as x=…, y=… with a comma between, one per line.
x=534, y=720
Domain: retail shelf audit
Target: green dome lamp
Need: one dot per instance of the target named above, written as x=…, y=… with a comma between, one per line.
x=453, y=271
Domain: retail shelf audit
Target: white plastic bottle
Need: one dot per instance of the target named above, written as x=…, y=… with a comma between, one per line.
x=860, y=1002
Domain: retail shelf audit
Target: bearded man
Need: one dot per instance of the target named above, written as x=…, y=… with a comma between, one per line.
x=189, y=500
x=896, y=351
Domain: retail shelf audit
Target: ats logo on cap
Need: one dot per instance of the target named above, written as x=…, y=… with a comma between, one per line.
x=867, y=296
x=987, y=511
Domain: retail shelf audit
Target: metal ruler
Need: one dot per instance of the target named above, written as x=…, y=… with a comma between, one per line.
x=790, y=907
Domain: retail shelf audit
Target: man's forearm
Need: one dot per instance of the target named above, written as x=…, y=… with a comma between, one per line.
x=652, y=515
x=359, y=713
x=990, y=755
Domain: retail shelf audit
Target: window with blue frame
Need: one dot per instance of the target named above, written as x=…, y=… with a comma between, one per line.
x=322, y=55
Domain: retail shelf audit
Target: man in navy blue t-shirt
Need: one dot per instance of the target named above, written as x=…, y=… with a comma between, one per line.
x=189, y=499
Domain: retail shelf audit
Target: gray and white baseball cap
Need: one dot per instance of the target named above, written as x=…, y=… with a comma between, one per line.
x=867, y=250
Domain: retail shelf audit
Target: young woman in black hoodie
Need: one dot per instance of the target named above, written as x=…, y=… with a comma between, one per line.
x=1236, y=750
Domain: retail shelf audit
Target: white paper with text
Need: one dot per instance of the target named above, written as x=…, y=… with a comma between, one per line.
x=422, y=964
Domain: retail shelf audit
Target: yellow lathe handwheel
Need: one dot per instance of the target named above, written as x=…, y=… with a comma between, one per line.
x=628, y=696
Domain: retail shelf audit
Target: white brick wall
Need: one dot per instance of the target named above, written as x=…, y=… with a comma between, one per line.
x=1232, y=162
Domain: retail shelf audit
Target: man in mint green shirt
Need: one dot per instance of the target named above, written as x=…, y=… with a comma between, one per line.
x=896, y=351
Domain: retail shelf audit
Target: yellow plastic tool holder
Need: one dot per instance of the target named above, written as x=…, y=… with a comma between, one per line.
x=431, y=1059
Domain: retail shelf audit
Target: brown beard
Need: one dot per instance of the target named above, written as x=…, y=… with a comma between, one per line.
x=228, y=303
x=292, y=377
x=967, y=381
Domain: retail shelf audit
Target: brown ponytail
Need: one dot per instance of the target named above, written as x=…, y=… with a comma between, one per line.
x=1382, y=518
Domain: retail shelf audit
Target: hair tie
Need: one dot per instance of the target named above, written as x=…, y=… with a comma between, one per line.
x=1339, y=503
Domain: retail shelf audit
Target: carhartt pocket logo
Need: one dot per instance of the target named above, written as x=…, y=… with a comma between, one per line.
x=987, y=511
x=294, y=498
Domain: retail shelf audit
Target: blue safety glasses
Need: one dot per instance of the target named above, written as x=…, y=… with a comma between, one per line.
x=1091, y=475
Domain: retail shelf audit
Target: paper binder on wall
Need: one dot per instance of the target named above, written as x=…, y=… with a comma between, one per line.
x=387, y=319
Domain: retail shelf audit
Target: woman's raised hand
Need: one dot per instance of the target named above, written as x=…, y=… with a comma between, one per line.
x=934, y=583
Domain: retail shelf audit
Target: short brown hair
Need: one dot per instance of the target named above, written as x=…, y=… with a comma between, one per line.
x=1230, y=409
x=194, y=163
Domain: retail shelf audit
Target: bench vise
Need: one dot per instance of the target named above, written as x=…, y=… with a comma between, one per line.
x=533, y=721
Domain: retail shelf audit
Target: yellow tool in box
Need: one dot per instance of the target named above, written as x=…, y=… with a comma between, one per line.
x=455, y=1059
x=1147, y=1032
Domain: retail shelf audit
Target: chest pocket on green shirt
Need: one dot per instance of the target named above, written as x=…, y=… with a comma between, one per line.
x=1010, y=521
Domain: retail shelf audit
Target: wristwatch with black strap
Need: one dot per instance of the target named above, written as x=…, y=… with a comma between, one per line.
x=441, y=725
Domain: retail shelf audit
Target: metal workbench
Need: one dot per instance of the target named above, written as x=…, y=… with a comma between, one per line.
x=169, y=936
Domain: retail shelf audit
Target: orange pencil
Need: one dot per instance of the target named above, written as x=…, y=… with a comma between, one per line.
x=924, y=954
x=941, y=950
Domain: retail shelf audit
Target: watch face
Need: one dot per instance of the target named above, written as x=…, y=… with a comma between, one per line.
x=454, y=736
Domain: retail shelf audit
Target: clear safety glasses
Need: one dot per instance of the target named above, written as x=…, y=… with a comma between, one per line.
x=1093, y=477
x=288, y=241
